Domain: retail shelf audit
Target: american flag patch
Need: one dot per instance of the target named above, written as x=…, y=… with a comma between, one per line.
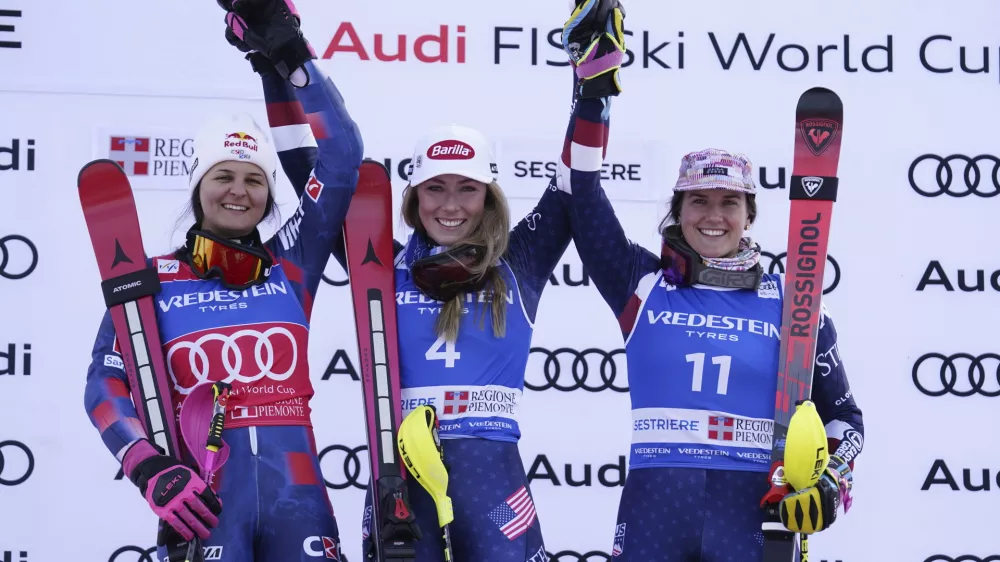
x=515, y=515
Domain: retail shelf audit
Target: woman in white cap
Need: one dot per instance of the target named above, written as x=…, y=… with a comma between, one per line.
x=467, y=288
x=701, y=324
x=235, y=308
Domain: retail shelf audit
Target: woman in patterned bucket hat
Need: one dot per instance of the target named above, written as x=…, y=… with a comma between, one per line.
x=701, y=324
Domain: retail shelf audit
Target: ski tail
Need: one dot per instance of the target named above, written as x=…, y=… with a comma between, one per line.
x=813, y=190
x=129, y=285
x=369, y=243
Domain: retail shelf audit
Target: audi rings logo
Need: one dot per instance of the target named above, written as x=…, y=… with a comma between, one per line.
x=960, y=374
x=567, y=369
x=18, y=256
x=345, y=467
x=967, y=178
x=14, y=470
x=133, y=554
x=572, y=556
x=962, y=558
x=231, y=356
x=831, y=275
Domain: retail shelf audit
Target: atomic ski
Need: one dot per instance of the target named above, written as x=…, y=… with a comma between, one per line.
x=128, y=285
x=819, y=129
x=368, y=235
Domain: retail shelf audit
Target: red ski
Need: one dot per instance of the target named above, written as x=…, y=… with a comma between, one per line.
x=819, y=129
x=369, y=242
x=129, y=285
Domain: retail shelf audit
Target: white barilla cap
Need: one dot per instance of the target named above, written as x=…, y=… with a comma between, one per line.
x=453, y=149
x=234, y=137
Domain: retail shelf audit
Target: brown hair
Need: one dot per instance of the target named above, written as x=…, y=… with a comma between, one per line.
x=492, y=233
x=677, y=201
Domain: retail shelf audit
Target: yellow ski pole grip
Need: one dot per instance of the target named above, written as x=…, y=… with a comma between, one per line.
x=420, y=450
x=806, y=452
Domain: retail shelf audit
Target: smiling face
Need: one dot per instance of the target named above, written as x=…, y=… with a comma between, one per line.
x=233, y=198
x=450, y=207
x=713, y=221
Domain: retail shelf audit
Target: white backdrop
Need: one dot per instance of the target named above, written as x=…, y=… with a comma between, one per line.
x=84, y=71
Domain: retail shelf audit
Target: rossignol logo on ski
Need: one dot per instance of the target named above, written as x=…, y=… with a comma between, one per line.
x=806, y=277
x=818, y=133
x=811, y=185
x=451, y=150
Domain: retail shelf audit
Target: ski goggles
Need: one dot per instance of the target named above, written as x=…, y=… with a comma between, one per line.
x=683, y=266
x=444, y=275
x=236, y=265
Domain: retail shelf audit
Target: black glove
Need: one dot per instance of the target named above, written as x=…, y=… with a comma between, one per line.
x=268, y=30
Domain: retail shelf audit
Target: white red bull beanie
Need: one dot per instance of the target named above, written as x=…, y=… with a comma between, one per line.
x=453, y=149
x=234, y=137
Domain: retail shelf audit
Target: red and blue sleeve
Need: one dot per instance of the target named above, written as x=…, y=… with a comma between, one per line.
x=613, y=262
x=320, y=149
x=106, y=396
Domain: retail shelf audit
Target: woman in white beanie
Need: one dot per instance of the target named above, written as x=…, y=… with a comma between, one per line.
x=235, y=308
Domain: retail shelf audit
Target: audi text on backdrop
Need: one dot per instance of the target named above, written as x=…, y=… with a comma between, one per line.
x=940, y=474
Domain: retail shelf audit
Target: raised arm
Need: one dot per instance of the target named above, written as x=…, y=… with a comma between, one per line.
x=594, y=38
x=321, y=150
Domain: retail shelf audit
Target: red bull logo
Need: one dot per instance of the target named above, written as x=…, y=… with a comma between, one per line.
x=243, y=136
x=241, y=140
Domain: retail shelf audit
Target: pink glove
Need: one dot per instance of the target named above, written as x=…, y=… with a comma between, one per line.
x=175, y=492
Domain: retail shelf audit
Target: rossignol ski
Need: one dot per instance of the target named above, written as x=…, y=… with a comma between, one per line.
x=819, y=129
x=128, y=285
x=391, y=525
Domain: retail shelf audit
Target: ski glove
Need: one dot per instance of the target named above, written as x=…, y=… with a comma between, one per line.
x=175, y=492
x=594, y=39
x=814, y=509
x=269, y=28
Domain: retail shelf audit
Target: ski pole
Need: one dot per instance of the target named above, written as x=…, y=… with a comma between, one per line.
x=220, y=391
x=420, y=448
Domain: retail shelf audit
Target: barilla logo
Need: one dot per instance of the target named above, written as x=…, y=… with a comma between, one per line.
x=450, y=150
x=240, y=140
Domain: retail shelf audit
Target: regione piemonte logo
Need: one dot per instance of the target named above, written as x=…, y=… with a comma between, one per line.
x=131, y=153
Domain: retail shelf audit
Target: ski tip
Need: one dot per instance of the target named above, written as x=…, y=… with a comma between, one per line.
x=98, y=165
x=819, y=95
x=374, y=167
x=373, y=171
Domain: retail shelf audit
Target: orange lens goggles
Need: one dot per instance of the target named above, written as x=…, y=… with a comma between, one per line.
x=238, y=266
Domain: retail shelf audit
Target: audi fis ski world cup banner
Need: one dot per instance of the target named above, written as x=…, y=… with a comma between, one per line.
x=910, y=279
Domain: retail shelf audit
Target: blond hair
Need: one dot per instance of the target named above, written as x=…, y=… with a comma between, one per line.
x=492, y=234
